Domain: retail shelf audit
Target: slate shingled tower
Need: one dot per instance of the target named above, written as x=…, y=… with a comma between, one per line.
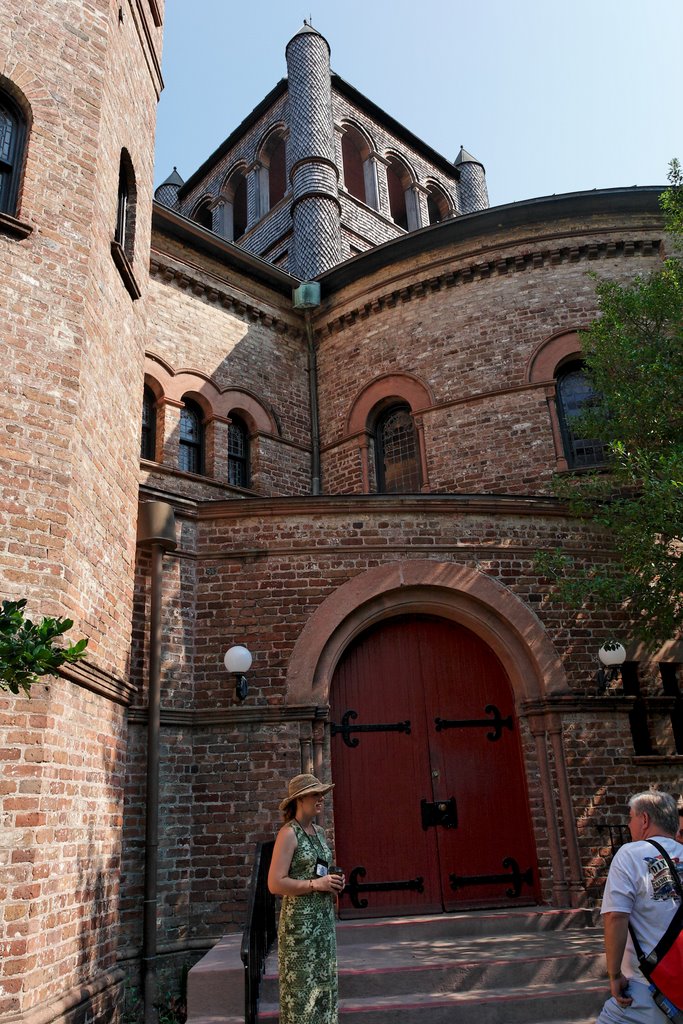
x=315, y=202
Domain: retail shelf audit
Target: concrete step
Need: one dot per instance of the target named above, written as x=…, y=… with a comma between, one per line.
x=491, y=967
x=579, y=1001
x=472, y=923
x=482, y=962
x=215, y=985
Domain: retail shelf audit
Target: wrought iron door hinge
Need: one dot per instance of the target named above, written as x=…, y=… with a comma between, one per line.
x=515, y=876
x=497, y=721
x=346, y=729
x=354, y=887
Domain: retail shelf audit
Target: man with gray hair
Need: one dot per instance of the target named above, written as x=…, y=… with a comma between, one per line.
x=639, y=891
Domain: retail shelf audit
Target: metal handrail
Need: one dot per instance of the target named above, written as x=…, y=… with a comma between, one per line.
x=259, y=931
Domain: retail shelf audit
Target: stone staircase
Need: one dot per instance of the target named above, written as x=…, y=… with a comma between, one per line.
x=526, y=966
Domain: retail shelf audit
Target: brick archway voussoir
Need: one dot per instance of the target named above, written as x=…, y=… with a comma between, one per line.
x=423, y=586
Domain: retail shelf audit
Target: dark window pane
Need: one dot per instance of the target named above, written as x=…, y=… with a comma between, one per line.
x=239, y=210
x=190, y=446
x=7, y=132
x=398, y=469
x=148, y=438
x=238, y=453
x=574, y=392
x=11, y=155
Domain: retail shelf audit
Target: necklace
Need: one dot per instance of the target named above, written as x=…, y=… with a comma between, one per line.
x=312, y=838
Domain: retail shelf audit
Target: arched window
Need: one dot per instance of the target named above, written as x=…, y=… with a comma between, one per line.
x=574, y=392
x=149, y=415
x=124, y=232
x=239, y=208
x=12, y=137
x=191, y=444
x=437, y=206
x=238, y=452
x=396, y=452
x=397, y=194
x=354, y=171
x=203, y=214
x=277, y=172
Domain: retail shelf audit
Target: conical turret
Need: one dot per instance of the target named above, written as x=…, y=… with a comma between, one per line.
x=316, y=208
x=474, y=194
x=167, y=192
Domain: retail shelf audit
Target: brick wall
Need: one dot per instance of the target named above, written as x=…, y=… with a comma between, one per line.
x=255, y=573
x=72, y=357
x=468, y=335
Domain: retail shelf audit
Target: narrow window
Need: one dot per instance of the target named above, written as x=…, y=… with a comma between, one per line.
x=238, y=453
x=12, y=135
x=396, y=450
x=203, y=215
x=354, y=172
x=574, y=393
x=437, y=206
x=397, y=195
x=124, y=231
x=148, y=436
x=191, y=448
x=239, y=209
x=277, y=172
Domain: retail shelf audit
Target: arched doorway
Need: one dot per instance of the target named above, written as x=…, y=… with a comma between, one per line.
x=430, y=803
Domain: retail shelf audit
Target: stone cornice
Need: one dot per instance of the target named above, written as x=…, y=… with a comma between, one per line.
x=213, y=289
x=87, y=675
x=572, y=703
x=192, y=718
x=480, y=270
x=357, y=505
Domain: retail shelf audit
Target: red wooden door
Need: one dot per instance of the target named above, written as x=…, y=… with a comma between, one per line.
x=430, y=804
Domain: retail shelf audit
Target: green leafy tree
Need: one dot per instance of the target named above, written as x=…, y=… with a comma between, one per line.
x=634, y=358
x=30, y=650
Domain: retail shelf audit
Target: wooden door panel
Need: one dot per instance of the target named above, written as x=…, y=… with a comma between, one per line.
x=462, y=752
x=381, y=779
x=475, y=748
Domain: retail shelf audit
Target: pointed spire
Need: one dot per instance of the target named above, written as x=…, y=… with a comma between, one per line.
x=167, y=192
x=464, y=157
x=173, y=179
x=307, y=30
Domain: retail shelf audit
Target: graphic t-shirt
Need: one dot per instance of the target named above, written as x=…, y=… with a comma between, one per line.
x=639, y=884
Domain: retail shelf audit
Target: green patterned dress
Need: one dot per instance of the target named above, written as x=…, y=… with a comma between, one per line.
x=307, y=942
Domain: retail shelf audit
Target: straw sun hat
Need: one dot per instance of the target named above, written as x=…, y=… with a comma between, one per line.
x=304, y=785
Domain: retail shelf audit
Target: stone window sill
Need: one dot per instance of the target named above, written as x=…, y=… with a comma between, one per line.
x=125, y=269
x=11, y=226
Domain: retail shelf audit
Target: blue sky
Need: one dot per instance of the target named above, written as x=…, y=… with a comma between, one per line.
x=551, y=96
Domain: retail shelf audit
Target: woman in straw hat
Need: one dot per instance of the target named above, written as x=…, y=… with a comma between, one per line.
x=299, y=872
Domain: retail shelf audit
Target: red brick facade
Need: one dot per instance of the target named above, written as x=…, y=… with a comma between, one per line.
x=466, y=323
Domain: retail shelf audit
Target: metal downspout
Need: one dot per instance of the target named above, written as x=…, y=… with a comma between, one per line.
x=313, y=400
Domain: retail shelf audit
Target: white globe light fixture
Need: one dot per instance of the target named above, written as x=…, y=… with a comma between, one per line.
x=238, y=661
x=612, y=656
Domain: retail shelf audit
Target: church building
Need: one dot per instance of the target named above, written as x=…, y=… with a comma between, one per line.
x=352, y=382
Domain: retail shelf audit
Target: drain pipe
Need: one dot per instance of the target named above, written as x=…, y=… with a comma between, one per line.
x=156, y=530
x=307, y=297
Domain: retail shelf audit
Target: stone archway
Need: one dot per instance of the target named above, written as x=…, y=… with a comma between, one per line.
x=491, y=611
x=423, y=586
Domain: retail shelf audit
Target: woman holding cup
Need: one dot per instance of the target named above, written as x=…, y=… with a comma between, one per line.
x=300, y=873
